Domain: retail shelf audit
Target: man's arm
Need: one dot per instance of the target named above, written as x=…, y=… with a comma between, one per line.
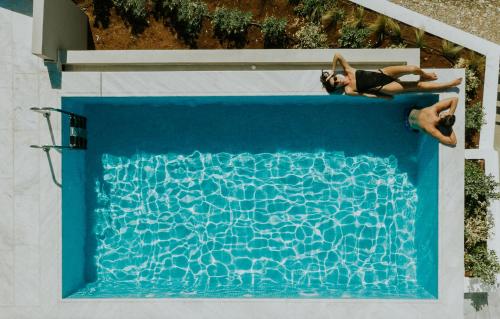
x=445, y=104
x=343, y=62
x=447, y=140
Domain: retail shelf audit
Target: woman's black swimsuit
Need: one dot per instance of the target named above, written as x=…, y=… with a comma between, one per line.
x=372, y=82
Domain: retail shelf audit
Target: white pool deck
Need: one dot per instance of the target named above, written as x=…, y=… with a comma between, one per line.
x=30, y=220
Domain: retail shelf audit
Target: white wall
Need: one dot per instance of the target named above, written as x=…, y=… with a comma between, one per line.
x=58, y=24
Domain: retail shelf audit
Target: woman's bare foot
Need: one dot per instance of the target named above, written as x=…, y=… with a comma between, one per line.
x=456, y=82
x=432, y=76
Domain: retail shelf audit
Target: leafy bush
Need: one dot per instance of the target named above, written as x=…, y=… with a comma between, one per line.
x=482, y=263
x=474, y=117
x=450, y=50
x=384, y=26
x=398, y=46
x=419, y=38
x=190, y=17
x=134, y=10
x=479, y=188
x=358, y=18
x=313, y=9
x=472, y=81
x=310, y=36
x=185, y=15
x=231, y=23
x=354, y=38
x=477, y=229
x=332, y=16
x=274, y=31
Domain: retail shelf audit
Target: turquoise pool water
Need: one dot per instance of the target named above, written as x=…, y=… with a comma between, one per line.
x=224, y=197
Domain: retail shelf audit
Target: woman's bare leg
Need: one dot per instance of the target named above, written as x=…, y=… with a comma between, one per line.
x=400, y=70
x=400, y=87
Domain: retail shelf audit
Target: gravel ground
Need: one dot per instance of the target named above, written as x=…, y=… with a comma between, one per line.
x=479, y=17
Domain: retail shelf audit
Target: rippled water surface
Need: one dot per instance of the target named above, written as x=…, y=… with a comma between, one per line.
x=250, y=197
x=262, y=225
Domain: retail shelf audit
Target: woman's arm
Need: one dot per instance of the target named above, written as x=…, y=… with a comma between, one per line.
x=343, y=62
x=351, y=92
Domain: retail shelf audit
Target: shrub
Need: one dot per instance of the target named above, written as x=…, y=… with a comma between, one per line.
x=354, y=38
x=449, y=50
x=383, y=26
x=134, y=10
x=377, y=28
x=168, y=7
x=231, y=23
x=358, y=18
x=310, y=36
x=482, y=263
x=398, y=46
x=474, y=116
x=419, y=38
x=331, y=17
x=477, y=229
x=190, y=17
x=472, y=81
x=274, y=31
x=476, y=62
x=479, y=189
x=314, y=9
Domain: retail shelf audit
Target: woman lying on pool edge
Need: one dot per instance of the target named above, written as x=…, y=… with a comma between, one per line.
x=385, y=82
x=433, y=121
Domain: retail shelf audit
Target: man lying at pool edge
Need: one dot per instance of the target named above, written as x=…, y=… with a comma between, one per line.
x=433, y=121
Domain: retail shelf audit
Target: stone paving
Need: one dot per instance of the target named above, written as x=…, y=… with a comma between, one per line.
x=479, y=17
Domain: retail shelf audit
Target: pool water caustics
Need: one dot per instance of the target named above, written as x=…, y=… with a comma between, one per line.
x=213, y=223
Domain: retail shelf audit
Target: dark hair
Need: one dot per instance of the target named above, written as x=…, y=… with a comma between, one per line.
x=326, y=84
x=445, y=124
x=447, y=120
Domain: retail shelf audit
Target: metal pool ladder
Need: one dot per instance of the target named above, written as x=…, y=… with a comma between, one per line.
x=77, y=130
x=77, y=135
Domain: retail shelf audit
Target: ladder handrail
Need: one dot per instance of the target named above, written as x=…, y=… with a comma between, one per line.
x=47, y=110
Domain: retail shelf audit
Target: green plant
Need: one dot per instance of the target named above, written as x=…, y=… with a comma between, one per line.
x=313, y=9
x=472, y=81
x=358, y=18
x=354, y=38
x=274, y=31
x=230, y=23
x=476, y=62
x=168, y=7
x=190, y=17
x=450, y=50
x=483, y=263
x=419, y=38
x=393, y=29
x=377, y=28
x=331, y=17
x=479, y=189
x=477, y=229
x=134, y=13
x=398, y=46
x=310, y=36
x=474, y=116
x=134, y=10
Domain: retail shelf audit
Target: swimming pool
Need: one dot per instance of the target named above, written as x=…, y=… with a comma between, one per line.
x=255, y=197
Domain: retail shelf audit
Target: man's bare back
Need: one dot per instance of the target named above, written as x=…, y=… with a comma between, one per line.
x=430, y=119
